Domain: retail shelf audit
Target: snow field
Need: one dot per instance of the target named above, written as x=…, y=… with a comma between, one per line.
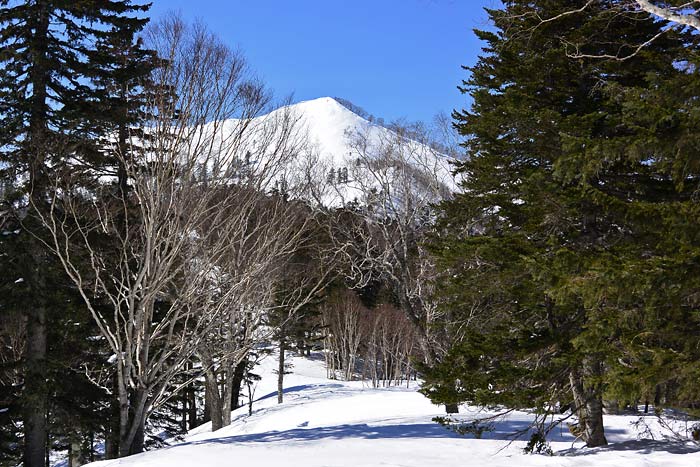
x=344, y=424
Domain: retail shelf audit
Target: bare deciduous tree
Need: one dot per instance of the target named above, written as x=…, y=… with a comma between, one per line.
x=396, y=177
x=164, y=257
x=342, y=318
x=679, y=15
x=391, y=341
x=256, y=245
x=379, y=341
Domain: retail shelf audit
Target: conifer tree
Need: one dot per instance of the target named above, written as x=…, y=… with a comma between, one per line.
x=557, y=193
x=48, y=82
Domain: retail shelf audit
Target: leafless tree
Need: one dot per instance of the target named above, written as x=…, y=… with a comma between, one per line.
x=251, y=293
x=165, y=258
x=342, y=319
x=678, y=15
x=681, y=13
x=378, y=341
x=391, y=342
x=396, y=176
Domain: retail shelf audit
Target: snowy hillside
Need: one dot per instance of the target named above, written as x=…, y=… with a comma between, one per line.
x=318, y=150
x=341, y=147
x=333, y=423
x=328, y=124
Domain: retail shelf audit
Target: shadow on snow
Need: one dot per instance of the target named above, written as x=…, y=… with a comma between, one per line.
x=502, y=431
x=642, y=446
x=301, y=387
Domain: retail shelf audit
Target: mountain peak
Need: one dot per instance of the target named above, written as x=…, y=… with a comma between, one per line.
x=328, y=122
x=327, y=104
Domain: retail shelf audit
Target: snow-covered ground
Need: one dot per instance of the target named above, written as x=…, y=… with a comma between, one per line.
x=333, y=423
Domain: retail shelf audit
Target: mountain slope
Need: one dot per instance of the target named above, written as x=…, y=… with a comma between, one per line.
x=348, y=156
x=327, y=123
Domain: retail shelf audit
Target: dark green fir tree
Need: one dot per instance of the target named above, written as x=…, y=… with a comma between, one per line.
x=52, y=73
x=575, y=193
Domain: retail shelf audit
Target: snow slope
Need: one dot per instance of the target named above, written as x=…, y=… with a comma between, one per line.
x=317, y=150
x=333, y=134
x=329, y=127
x=333, y=423
x=327, y=123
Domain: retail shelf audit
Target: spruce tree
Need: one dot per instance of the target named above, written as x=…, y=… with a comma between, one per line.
x=48, y=83
x=550, y=207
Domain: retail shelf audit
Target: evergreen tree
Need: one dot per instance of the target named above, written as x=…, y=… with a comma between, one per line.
x=11, y=345
x=561, y=186
x=48, y=83
x=74, y=403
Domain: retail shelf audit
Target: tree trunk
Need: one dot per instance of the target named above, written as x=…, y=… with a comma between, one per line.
x=250, y=399
x=280, y=373
x=588, y=402
x=75, y=457
x=35, y=391
x=123, y=411
x=207, y=405
x=137, y=443
x=227, y=398
x=184, y=399
x=657, y=395
x=237, y=383
x=132, y=422
x=595, y=430
x=112, y=442
x=451, y=408
x=112, y=434
x=211, y=388
x=191, y=407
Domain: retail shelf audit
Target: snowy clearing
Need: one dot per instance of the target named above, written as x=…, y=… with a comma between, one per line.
x=335, y=423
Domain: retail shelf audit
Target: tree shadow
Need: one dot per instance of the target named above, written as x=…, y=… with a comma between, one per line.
x=502, y=431
x=301, y=387
x=314, y=357
x=642, y=446
x=358, y=431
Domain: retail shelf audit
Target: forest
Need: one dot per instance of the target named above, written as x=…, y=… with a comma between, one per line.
x=167, y=222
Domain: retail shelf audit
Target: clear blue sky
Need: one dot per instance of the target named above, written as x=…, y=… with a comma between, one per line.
x=394, y=58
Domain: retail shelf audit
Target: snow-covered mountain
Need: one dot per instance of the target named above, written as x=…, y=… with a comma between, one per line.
x=331, y=127
x=353, y=156
x=321, y=146
x=329, y=124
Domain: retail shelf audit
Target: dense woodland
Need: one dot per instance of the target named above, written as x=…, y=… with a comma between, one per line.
x=165, y=224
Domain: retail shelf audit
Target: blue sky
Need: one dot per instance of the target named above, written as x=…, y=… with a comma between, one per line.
x=394, y=58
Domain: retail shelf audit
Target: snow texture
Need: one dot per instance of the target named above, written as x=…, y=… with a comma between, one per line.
x=329, y=129
x=334, y=423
